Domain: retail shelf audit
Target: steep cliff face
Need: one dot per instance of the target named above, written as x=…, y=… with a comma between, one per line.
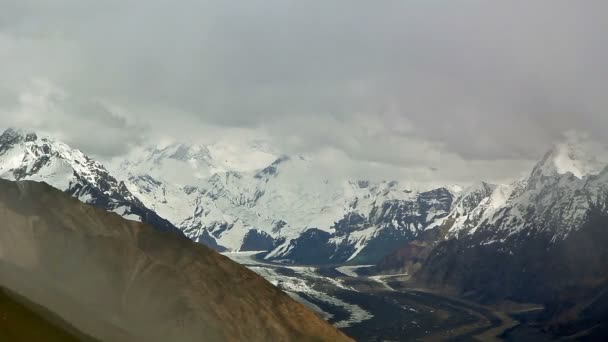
x=121, y=280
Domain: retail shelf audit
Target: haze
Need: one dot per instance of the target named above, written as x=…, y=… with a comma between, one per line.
x=420, y=90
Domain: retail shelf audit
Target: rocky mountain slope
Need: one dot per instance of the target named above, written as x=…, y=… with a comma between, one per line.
x=23, y=321
x=25, y=156
x=121, y=280
x=541, y=239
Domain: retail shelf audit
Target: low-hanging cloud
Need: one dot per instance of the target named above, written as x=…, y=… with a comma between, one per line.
x=472, y=88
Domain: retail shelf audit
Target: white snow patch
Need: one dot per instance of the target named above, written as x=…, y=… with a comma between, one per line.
x=351, y=271
x=297, y=285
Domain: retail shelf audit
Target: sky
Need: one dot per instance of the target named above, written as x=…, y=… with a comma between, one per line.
x=446, y=91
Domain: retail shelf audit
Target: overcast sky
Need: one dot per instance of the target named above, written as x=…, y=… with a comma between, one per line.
x=443, y=90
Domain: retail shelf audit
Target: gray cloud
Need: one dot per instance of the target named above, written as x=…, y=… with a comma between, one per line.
x=406, y=84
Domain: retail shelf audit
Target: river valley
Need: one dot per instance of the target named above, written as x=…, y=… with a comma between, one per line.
x=379, y=309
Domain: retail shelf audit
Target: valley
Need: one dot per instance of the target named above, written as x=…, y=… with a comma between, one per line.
x=380, y=308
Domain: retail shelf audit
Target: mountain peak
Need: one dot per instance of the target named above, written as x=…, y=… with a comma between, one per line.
x=12, y=131
x=11, y=136
x=577, y=156
x=25, y=156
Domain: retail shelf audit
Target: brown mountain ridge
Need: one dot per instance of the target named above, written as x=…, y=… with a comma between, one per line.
x=119, y=280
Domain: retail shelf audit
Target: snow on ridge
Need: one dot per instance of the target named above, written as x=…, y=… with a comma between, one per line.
x=225, y=191
x=578, y=156
x=52, y=158
x=228, y=204
x=554, y=198
x=29, y=156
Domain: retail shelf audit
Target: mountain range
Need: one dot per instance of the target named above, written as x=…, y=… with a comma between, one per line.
x=246, y=198
x=540, y=239
x=235, y=199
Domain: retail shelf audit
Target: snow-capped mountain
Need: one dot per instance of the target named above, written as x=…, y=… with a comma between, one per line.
x=541, y=239
x=247, y=197
x=535, y=214
x=297, y=215
x=368, y=232
x=235, y=197
x=25, y=156
x=555, y=198
x=281, y=204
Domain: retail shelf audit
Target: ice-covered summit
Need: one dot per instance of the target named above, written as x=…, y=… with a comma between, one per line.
x=245, y=196
x=577, y=156
x=555, y=199
x=25, y=155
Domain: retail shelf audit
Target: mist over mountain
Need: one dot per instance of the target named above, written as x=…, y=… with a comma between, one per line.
x=519, y=241
x=269, y=203
x=407, y=170
x=252, y=199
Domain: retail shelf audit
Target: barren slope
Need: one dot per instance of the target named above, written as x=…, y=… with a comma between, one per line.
x=120, y=280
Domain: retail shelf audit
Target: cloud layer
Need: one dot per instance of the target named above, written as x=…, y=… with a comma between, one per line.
x=463, y=90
